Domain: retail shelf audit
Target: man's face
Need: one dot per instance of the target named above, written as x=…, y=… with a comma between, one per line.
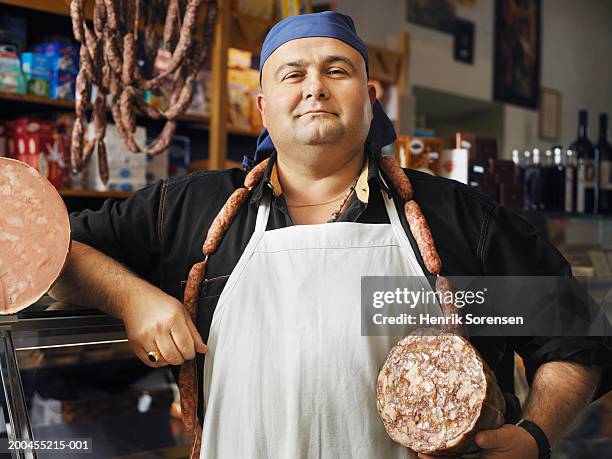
x=315, y=92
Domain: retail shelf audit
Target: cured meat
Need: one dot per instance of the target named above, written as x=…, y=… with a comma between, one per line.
x=397, y=176
x=224, y=219
x=422, y=235
x=255, y=175
x=108, y=61
x=444, y=286
x=435, y=392
x=188, y=387
x=34, y=235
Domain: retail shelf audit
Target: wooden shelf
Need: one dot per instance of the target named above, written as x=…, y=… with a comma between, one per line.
x=56, y=7
x=95, y=194
x=196, y=121
x=33, y=99
x=69, y=104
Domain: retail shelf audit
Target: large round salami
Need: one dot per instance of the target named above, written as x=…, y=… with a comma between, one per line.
x=435, y=392
x=34, y=235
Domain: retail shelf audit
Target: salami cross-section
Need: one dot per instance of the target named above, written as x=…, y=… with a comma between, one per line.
x=435, y=392
x=34, y=235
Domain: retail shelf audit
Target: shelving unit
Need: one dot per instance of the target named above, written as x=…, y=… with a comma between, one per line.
x=213, y=124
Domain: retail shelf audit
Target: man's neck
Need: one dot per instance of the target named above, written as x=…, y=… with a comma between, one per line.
x=320, y=178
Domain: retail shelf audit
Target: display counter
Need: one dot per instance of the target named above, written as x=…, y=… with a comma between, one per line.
x=69, y=374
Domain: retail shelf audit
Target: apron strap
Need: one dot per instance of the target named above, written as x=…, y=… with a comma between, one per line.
x=390, y=206
x=263, y=213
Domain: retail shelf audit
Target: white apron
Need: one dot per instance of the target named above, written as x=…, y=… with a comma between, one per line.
x=287, y=373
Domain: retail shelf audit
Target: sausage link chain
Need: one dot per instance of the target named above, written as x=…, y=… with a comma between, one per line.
x=188, y=382
x=422, y=235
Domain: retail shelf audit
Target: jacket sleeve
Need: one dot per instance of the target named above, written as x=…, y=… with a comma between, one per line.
x=513, y=247
x=124, y=230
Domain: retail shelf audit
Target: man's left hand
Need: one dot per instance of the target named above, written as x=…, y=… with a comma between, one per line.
x=507, y=442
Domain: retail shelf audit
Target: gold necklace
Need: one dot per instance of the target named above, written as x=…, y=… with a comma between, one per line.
x=318, y=204
x=336, y=213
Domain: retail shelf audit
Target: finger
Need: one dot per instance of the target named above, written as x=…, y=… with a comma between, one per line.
x=142, y=355
x=488, y=439
x=168, y=349
x=184, y=342
x=195, y=335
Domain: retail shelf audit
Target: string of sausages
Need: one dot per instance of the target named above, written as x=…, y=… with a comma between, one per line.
x=418, y=226
x=108, y=65
x=188, y=384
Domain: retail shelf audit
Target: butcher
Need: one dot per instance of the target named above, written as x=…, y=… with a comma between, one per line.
x=249, y=281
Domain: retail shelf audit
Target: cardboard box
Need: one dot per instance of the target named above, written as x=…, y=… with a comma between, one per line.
x=420, y=153
x=37, y=72
x=243, y=87
x=453, y=164
x=156, y=167
x=35, y=143
x=11, y=77
x=63, y=86
x=126, y=170
x=64, y=57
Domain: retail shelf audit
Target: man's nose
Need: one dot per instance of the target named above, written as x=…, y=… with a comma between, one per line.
x=315, y=87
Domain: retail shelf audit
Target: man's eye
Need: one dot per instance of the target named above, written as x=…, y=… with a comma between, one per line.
x=292, y=75
x=336, y=71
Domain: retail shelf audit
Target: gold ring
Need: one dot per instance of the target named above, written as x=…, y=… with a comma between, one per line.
x=154, y=356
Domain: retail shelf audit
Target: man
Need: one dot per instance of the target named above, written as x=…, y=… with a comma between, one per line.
x=287, y=372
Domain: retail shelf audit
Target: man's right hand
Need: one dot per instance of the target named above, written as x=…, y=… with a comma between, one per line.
x=154, y=320
x=162, y=324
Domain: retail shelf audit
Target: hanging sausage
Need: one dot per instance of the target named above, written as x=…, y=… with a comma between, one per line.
x=109, y=66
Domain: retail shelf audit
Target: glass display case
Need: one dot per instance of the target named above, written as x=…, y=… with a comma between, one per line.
x=69, y=374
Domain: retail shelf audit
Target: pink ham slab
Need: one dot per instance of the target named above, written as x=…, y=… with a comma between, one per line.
x=34, y=235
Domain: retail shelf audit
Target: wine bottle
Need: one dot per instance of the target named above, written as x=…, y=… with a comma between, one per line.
x=558, y=182
x=533, y=181
x=603, y=150
x=547, y=185
x=587, y=189
x=569, y=161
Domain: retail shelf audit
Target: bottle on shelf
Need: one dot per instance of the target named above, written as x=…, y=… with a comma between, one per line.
x=519, y=169
x=587, y=168
x=569, y=162
x=525, y=162
x=558, y=181
x=547, y=191
x=533, y=180
x=603, y=151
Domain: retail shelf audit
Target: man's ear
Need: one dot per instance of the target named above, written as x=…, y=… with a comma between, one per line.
x=372, y=93
x=261, y=107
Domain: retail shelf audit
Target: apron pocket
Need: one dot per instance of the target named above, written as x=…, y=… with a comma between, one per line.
x=210, y=291
x=213, y=287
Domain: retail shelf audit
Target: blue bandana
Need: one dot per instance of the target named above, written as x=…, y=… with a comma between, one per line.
x=327, y=24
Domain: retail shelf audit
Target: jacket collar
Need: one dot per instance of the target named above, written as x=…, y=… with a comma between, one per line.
x=369, y=174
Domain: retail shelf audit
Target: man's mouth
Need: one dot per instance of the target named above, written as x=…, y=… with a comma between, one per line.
x=317, y=112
